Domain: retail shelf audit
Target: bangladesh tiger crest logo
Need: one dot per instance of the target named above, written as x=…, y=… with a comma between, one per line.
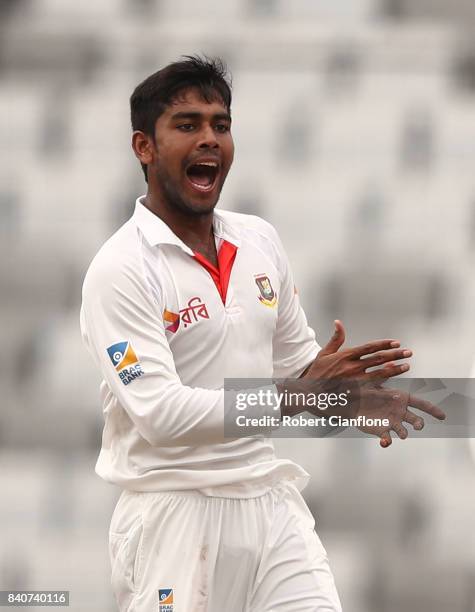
x=267, y=296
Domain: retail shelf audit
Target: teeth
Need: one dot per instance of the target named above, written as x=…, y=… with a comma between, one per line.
x=212, y=164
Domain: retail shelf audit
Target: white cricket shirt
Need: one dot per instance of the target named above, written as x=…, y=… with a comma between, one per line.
x=166, y=334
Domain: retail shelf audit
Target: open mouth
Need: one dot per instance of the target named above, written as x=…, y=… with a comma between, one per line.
x=203, y=175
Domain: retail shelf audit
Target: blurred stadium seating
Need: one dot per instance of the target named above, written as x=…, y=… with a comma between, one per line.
x=354, y=125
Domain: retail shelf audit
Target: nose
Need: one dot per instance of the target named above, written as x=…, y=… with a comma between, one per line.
x=207, y=138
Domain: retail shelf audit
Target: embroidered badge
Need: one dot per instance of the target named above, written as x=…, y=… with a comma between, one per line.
x=267, y=296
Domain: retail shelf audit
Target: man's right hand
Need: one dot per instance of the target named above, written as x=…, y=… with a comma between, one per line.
x=392, y=405
x=372, y=399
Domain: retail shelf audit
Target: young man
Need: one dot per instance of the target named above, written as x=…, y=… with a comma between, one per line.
x=180, y=298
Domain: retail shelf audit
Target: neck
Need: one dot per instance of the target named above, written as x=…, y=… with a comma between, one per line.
x=196, y=231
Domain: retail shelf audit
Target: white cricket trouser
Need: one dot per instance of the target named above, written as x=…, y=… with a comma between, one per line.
x=212, y=554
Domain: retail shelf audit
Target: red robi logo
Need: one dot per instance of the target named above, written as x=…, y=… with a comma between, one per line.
x=195, y=309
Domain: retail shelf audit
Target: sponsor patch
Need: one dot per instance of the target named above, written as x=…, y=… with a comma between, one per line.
x=172, y=320
x=165, y=600
x=195, y=309
x=125, y=361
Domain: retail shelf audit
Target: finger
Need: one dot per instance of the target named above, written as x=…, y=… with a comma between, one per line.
x=385, y=439
x=400, y=430
x=389, y=371
x=416, y=421
x=336, y=341
x=383, y=357
x=372, y=347
x=427, y=407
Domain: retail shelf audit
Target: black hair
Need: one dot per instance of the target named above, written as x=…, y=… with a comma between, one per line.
x=151, y=97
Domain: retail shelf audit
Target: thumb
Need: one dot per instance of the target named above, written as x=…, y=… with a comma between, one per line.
x=336, y=341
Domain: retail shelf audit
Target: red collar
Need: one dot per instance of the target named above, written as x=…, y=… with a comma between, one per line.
x=221, y=274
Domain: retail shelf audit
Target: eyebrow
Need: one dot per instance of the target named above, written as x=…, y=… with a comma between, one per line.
x=197, y=115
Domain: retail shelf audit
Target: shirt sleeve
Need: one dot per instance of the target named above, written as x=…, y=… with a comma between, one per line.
x=294, y=344
x=121, y=323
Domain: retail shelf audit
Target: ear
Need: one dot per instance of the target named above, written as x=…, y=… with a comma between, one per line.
x=143, y=147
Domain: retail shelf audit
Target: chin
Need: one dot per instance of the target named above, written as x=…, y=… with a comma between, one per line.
x=200, y=208
x=202, y=204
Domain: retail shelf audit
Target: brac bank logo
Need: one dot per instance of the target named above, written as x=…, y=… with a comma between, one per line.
x=165, y=600
x=125, y=361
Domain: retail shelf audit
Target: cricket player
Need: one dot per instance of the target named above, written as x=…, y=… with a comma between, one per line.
x=181, y=297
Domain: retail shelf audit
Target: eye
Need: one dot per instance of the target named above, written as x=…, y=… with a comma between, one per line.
x=222, y=128
x=185, y=127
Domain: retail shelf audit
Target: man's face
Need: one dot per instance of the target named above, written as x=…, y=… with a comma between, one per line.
x=194, y=150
